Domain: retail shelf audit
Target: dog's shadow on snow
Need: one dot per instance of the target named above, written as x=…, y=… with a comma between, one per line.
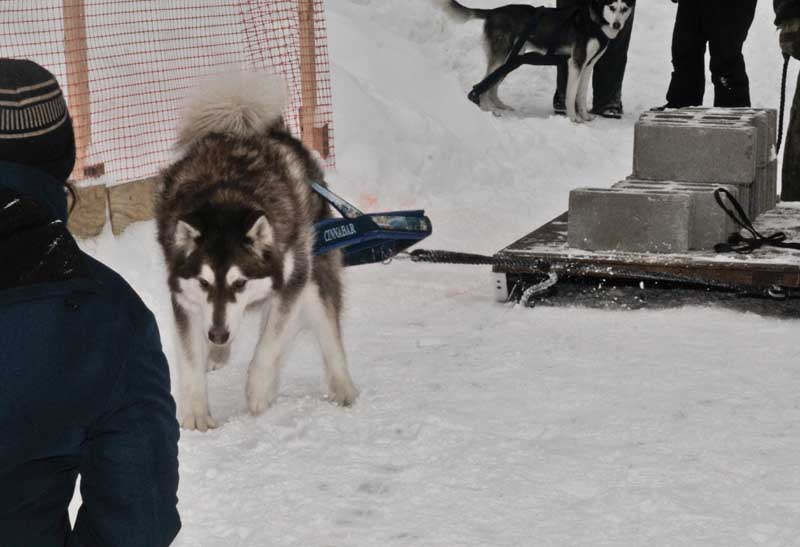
x=523, y=113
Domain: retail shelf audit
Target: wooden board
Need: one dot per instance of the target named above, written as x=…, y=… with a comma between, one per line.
x=546, y=249
x=89, y=215
x=131, y=202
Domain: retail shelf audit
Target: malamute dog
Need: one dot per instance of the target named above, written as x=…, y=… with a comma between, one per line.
x=235, y=220
x=581, y=34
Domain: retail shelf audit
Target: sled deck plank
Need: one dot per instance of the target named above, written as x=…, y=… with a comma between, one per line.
x=546, y=249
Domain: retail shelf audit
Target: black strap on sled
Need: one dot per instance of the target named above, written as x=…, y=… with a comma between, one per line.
x=738, y=243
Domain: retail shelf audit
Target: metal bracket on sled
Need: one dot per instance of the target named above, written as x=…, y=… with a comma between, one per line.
x=504, y=294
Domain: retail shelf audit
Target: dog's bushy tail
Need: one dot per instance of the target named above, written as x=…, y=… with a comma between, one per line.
x=463, y=13
x=239, y=104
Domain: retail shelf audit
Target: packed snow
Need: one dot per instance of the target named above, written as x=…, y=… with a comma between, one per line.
x=482, y=424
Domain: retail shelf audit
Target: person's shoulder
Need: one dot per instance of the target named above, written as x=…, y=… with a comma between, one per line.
x=119, y=298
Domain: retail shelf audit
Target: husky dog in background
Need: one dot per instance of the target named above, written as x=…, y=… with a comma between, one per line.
x=580, y=34
x=236, y=219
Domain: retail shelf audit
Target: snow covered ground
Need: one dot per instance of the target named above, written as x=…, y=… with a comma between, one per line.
x=482, y=424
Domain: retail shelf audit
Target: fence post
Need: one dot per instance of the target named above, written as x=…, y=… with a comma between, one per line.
x=314, y=137
x=76, y=57
x=89, y=216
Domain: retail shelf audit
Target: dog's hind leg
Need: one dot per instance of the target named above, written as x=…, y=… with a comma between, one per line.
x=323, y=318
x=493, y=97
x=497, y=52
x=263, y=376
x=192, y=349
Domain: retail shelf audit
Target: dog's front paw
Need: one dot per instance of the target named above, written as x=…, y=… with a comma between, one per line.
x=575, y=118
x=260, y=394
x=586, y=116
x=343, y=393
x=200, y=422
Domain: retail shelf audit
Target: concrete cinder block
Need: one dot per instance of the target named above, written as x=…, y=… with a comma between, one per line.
x=764, y=120
x=756, y=119
x=770, y=113
x=709, y=224
x=766, y=187
x=89, y=214
x=679, y=147
x=629, y=220
x=131, y=202
x=772, y=185
x=765, y=124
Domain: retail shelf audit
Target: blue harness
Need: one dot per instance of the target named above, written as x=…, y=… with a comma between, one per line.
x=367, y=238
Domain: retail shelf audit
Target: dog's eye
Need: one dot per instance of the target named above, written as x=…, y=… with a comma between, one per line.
x=203, y=283
x=239, y=284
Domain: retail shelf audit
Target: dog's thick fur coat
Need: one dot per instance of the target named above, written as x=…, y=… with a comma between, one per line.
x=236, y=222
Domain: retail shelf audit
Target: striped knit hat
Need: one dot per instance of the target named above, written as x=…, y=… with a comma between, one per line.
x=35, y=127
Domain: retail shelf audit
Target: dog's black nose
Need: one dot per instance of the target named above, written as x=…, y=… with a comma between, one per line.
x=218, y=335
x=617, y=25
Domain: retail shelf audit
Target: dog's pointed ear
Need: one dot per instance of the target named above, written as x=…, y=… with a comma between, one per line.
x=261, y=234
x=185, y=237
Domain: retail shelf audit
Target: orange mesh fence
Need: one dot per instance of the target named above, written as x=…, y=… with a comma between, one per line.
x=126, y=66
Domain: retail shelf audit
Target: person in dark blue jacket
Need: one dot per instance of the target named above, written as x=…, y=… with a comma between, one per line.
x=84, y=385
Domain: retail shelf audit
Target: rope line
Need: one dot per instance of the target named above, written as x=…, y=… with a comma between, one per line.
x=786, y=59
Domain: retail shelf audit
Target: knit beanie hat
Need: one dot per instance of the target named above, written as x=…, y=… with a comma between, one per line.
x=35, y=127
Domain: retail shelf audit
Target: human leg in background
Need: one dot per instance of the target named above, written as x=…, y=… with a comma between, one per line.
x=688, y=55
x=609, y=74
x=728, y=25
x=790, y=188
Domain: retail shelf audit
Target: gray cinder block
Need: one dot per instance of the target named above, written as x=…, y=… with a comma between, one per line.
x=756, y=119
x=682, y=148
x=629, y=220
x=770, y=113
x=709, y=224
x=772, y=185
x=764, y=121
x=766, y=185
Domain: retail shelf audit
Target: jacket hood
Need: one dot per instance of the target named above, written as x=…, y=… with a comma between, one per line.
x=36, y=185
